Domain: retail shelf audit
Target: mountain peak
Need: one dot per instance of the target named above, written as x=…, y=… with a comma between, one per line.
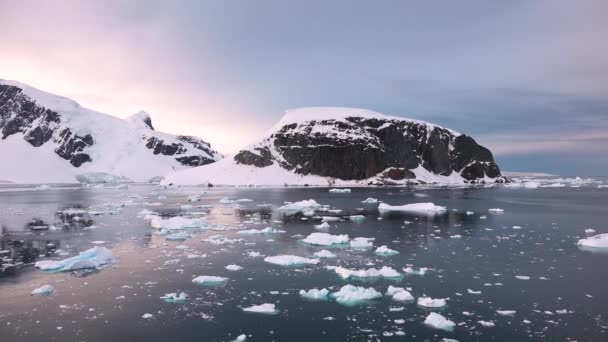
x=141, y=119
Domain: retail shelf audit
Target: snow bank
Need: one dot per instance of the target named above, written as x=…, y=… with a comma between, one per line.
x=290, y=260
x=91, y=258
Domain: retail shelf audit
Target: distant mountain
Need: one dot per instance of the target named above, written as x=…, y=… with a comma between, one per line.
x=47, y=138
x=348, y=146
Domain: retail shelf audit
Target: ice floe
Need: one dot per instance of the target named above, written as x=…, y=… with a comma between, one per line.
x=399, y=294
x=234, y=267
x=437, y=321
x=361, y=242
x=315, y=294
x=91, y=258
x=176, y=222
x=414, y=208
x=209, y=280
x=266, y=308
x=44, y=290
x=175, y=297
x=267, y=230
x=370, y=200
x=354, y=295
x=429, y=302
x=506, y=312
x=385, y=251
x=340, y=190
x=412, y=271
x=324, y=254
x=599, y=241
x=290, y=260
x=303, y=207
x=357, y=218
x=325, y=239
x=384, y=272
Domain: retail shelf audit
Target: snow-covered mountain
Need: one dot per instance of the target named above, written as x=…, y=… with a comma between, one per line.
x=47, y=138
x=348, y=146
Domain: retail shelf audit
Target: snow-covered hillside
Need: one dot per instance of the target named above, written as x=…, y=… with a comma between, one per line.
x=47, y=138
x=349, y=146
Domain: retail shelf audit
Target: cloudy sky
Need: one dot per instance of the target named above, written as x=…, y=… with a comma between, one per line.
x=529, y=79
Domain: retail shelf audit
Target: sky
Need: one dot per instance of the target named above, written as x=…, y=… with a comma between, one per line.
x=527, y=79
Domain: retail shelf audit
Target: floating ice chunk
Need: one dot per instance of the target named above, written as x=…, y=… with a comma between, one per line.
x=487, y=324
x=234, y=267
x=324, y=254
x=181, y=236
x=91, y=258
x=175, y=297
x=429, y=302
x=176, y=222
x=437, y=321
x=469, y=213
x=384, y=272
x=330, y=219
x=254, y=254
x=209, y=280
x=362, y=242
x=340, y=191
x=267, y=230
x=420, y=271
x=299, y=207
x=531, y=185
x=315, y=294
x=427, y=208
x=147, y=316
x=240, y=338
x=496, y=210
x=590, y=231
x=473, y=292
x=520, y=277
x=323, y=225
x=506, y=312
x=399, y=294
x=290, y=260
x=370, y=200
x=385, y=251
x=186, y=207
x=353, y=295
x=266, y=308
x=325, y=239
x=357, y=218
x=599, y=241
x=220, y=240
x=43, y=290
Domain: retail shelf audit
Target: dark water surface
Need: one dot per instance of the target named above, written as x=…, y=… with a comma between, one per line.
x=565, y=299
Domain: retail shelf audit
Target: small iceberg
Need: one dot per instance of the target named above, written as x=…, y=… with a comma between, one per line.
x=240, y=338
x=487, y=324
x=299, y=207
x=437, y=321
x=44, y=290
x=234, y=267
x=370, y=200
x=362, y=242
x=426, y=208
x=506, y=312
x=290, y=260
x=399, y=294
x=357, y=218
x=266, y=308
x=596, y=242
x=385, y=251
x=496, y=210
x=91, y=258
x=340, y=191
x=177, y=298
x=181, y=236
x=209, y=280
x=315, y=294
x=322, y=226
x=350, y=295
x=324, y=254
x=412, y=271
x=267, y=230
x=325, y=239
x=176, y=222
x=384, y=272
x=429, y=302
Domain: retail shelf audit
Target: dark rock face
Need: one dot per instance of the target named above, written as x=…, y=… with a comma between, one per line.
x=159, y=146
x=360, y=148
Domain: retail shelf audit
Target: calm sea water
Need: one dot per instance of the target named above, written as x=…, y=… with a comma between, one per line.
x=565, y=299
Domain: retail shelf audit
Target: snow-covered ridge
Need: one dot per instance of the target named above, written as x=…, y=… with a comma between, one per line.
x=53, y=133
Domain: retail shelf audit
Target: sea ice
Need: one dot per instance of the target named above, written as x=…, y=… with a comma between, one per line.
x=181, y=236
x=437, y=321
x=362, y=242
x=324, y=254
x=370, y=200
x=384, y=272
x=267, y=230
x=385, y=251
x=599, y=241
x=325, y=239
x=175, y=297
x=487, y=324
x=323, y=225
x=299, y=207
x=340, y=191
x=420, y=271
x=399, y=294
x=147, y=316
x=290, y=260
x=209, y=280
x=496, y=210
x=176, y=222
x=315, y=294
x=428, y=302
x=506, y=312
x=91, y=258
x=353, y=295
x=357, y=218
x=234, y=267
x=263, y=309
x=415, y=208
x=330, y=219
x=43, y=290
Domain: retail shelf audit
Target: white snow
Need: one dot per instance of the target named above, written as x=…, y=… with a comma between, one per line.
x=266, y=308
x=429, y=302
x=290, y=260
x=315, y=294
x=209, y=280
x=437, y=321
x=353, y=295
x=427, y=208
x=44, y=290
x=325, y=239
x=91, y=258
x=599, y=241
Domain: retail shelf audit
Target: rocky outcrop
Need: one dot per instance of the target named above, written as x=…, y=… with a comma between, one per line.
x=364, y=147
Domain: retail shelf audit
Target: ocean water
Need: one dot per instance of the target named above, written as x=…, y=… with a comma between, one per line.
x=564, y=299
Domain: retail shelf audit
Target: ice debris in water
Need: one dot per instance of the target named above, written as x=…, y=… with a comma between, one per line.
x=521, y=277
x=262, y=308
x=290, y=260
x=384, y=272
x=147, y=316
x=175, y=297
x=340, y=191
x=303, y=207
x=234, y=267
x=506, y=312
x=412, y=271
x=416, y=208
x=590, y=231
x=176, y=222
x=362, y=242
x=209, y=280
x=353, y=295
x=91, y=258
x=487, y=324
x=496, y=210
x=330, y=219
x=385, y=251
x=429, y=302
x=357, y=218
x=599, y=241
x=315, y=294
x=43, y=290
x=240, y=338
x=370, y=200
x=325, y=239
x=181, y=236
x=324, y=254
x=267, y=230
x=437, y=321
x=323, y=225
x=399, y=294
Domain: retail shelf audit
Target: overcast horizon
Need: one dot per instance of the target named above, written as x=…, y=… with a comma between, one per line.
x=529, y=80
